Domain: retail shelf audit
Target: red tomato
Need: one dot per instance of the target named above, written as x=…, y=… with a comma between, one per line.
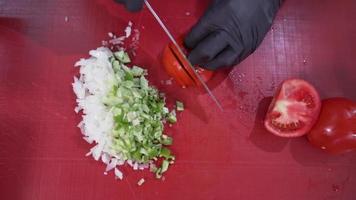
x=335, y=131
x=294, y=109
x=177, y=67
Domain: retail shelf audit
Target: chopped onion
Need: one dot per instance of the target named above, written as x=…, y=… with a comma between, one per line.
x=141, y=181
x=118, y=174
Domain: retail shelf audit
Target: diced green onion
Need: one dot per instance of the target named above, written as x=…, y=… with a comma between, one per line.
x=122, y=56
x=166, y=140
x=165, y=165
x=116, y=65
x=172, y=118
x=180, y=106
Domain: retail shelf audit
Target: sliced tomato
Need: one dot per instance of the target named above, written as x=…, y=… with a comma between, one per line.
x=175, y=69
x=178, y=67
x=294, y=109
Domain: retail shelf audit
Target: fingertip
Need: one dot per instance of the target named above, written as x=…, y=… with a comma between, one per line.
x=208, y=48
x=228, y=58
x=196, y=34
x=189, y=41
x=212, y=66
x=193, y=59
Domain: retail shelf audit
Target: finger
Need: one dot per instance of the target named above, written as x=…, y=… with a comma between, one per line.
x=226, y=58
x=208, y=48
x=198, y=32
x=134, y=5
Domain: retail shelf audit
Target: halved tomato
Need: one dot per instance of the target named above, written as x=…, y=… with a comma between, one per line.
x=178, y=67
x=294, y=109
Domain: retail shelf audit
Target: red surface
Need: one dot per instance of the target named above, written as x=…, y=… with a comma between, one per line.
x=219, y=155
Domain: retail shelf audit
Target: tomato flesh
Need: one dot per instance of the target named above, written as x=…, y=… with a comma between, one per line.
x=294, y=109
x=178, y=67
x=335, y=131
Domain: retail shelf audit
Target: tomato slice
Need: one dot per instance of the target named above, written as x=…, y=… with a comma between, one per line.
x=178, y=67
x=294, y=109
x=335, y=130
x=175, y=69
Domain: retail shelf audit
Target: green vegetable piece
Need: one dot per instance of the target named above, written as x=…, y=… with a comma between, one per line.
x=152, y=152
x=128, y=84
x=143, y=83
x=136, y=155
x=165, y=110
x=112, y=59
x=128, y=76
x=145, y=108
x=180, y=106
x=158, y=173
x=139, y=136
x=164, y=167
x=157, y=134
x=131, y=116
x=153, y=168
x=166, y=153
x=143, y=151
x=166, y=140
x=172, y=117
x=122, y=56
x=116, y=65
x=137, y=71
x=111, y=100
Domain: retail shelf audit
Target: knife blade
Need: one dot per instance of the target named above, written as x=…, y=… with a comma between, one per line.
x=210, y=93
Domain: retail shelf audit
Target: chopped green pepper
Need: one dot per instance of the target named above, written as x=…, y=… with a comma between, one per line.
x=180, y=106
x=139, y=111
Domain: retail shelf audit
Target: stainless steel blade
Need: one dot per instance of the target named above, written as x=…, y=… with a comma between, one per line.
x=183, y=55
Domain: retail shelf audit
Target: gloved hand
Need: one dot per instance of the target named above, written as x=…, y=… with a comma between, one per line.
x=229, y=31
x=132, y=5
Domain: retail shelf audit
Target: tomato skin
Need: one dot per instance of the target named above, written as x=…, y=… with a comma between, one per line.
x=178, y=68
x=293, y=110
x=174, y=68
x=335, y=131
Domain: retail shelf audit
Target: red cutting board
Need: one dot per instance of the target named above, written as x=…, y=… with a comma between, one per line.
x=220, y=155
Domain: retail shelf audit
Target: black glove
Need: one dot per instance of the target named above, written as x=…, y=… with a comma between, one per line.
x=132, y=5
x=229, y=31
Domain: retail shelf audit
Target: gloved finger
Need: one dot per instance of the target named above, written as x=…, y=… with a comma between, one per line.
x=198, y=33
x=134, y=5
x=208, y=48
x=226, y=58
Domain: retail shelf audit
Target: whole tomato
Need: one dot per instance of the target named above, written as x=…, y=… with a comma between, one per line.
x=335, y=130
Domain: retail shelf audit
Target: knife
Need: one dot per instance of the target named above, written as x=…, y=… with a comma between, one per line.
x=182, y=54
